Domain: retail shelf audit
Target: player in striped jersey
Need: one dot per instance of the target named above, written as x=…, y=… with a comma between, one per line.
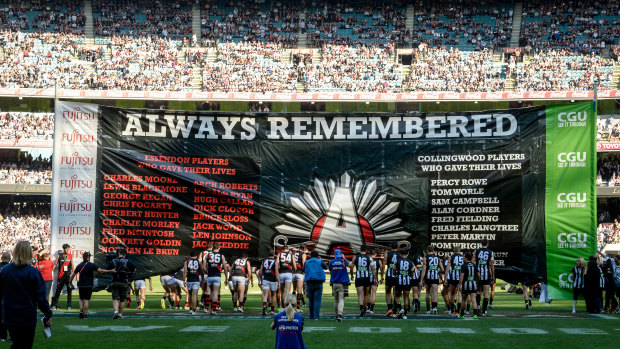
x=578, y=282
x=191, y=271
x=485, y=260
x=432, y=272
x=365, y=269
x=444, y=286
x=453, y=274
x=390, y=280
x=467, y=284
x=378, y=265
x=415, y=282
x=405, y=269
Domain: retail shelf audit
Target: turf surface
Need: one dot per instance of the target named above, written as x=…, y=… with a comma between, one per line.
x=508, y=325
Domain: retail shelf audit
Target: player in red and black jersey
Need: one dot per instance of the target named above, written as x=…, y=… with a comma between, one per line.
x=285, y=267
x=191, y=276
x=241, y=270
x=214, y=265
x=298, y=276
x=269, y=280
x=64, y=263
x=205, y=299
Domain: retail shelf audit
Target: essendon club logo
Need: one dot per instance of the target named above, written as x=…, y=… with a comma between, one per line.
x=75, y=206
x=343, y=213
x=74, y=230
x=77, y=137
x=75, y=183
x=78, y=114
x=76, y=160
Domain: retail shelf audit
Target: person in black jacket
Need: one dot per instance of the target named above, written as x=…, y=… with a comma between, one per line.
x=6, y=259
x=22, y=289
x=594, y=284
x=121, y=268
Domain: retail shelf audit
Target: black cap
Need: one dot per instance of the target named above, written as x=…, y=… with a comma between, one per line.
x=121, y=251
x=86, y=254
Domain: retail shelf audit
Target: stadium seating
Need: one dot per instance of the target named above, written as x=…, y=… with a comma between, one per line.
x=144, y=45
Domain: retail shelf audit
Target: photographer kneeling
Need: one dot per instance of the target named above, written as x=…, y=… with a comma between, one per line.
x=121, y=268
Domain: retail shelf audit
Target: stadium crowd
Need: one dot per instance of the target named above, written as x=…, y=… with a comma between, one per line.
x=248, y=67
x=21, y=125
x=563, y=70
x=474, y=25
x=142, y=63
x=30, y=224
x=437, y=69
x=26, y=171
x=143, y=18
x=252, y=22
x=346, y=68
x=585, y=27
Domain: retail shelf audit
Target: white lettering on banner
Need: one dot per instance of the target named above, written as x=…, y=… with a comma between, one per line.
x=315, y=329
x=572, y=159
x=375, y=330
x=581, y=331
x=518, y=331
x=86, y=328
x=445, y=329
x=572, y=119
x=572, y=240
x=317, y=128
x=566, y=280
x=197, y=329
x=571, y=200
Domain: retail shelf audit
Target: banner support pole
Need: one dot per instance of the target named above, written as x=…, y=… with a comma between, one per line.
x=595, y=99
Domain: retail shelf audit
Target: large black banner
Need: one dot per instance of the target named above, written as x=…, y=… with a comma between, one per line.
x=170, y=182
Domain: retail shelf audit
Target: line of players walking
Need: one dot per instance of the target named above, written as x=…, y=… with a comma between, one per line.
x=466, y=278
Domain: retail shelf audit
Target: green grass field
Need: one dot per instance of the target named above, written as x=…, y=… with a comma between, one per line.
x=508, y=325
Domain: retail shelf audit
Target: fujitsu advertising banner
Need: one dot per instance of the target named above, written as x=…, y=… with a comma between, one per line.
x=75, y=173
x=169, y=182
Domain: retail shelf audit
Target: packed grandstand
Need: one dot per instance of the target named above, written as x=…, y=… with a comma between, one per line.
x=384, y=46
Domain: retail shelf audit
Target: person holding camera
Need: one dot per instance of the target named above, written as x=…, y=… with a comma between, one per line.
x=121, y=268
x=64, y=263
x=339, y=280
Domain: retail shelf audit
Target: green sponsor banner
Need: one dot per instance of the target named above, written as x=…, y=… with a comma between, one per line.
x=570, y=192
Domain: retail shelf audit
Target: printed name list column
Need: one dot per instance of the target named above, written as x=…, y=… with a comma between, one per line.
x=474, y=197
x=171, y=205
x=141, y=214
